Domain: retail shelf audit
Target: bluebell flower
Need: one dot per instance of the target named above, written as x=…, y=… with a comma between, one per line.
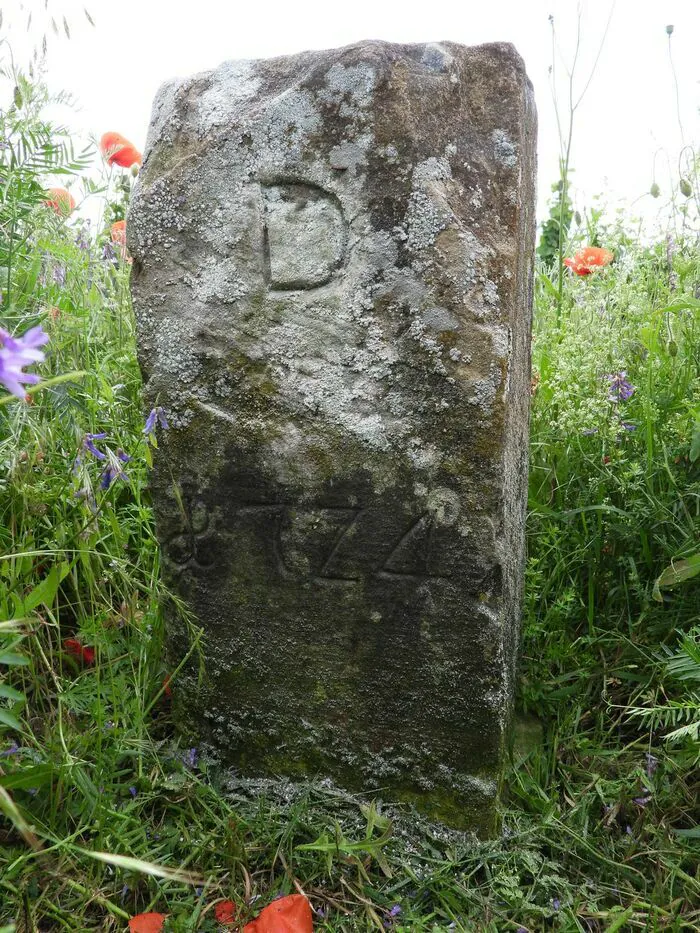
x=114, y=469
x=59, y=275
x=81, y=239
x=190, y=757
x=107, y=477
x=157, y=414
x=133, y=791
x=621, y=388
x=18, y=352
x=88, y=444
x=109, y=255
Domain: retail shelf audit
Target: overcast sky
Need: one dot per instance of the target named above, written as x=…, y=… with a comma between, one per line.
x=629, y=110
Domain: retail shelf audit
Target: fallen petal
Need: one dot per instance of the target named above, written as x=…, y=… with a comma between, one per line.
x=225, y=913
x=291, y=914
x=147, y=923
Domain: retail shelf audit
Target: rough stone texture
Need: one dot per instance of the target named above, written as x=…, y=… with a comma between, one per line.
x=332, y=282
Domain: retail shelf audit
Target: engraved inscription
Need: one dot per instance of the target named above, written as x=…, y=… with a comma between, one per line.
x=332, y=565
x=411, y=554
x=339, y=543
x=271, y=517
x=193, y=543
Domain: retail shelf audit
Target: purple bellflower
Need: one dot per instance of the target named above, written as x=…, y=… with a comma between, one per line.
x=157, y=414
x=82, y=237
x=108, y=254
x=17, y=352
x=114, y=469
x=89, y=444
x=621, y=388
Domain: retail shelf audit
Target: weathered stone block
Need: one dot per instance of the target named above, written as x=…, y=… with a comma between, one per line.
x=332, y=283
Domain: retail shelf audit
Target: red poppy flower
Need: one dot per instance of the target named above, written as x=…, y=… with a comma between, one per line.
x=147, y=923
x=118, y=232
x=225, y=913
x=60, y=201
x=587, y=259
x=576, y=267
x=83, y=653
x=290, y=914
x=117, y=150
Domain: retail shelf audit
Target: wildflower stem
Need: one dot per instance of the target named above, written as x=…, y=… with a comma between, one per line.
x=47, y=384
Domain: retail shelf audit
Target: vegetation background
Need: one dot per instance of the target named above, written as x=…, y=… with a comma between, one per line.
x=106, y=816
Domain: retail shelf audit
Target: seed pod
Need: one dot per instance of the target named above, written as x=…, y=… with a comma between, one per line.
x=672, y=348
x=655, y=191
x=669, y=30
x=685, y=186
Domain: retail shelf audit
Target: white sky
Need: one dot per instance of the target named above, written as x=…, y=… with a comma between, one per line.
x=628, y=113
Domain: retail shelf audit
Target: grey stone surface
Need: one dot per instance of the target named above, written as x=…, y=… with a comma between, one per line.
x=332, y=284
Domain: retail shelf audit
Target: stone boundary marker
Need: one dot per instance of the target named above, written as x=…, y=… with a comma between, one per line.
x=332, y=282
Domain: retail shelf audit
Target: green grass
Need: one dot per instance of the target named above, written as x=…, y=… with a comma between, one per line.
x=597, y=835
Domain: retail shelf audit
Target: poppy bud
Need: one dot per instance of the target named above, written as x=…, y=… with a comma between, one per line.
x=686, y=189
x=18, y=97
x=672, y=348
x=669, y=30
x=135, y=169
x=577, y=218
x=654, y=191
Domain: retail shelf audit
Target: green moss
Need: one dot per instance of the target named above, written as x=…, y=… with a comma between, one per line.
x=443, y=806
